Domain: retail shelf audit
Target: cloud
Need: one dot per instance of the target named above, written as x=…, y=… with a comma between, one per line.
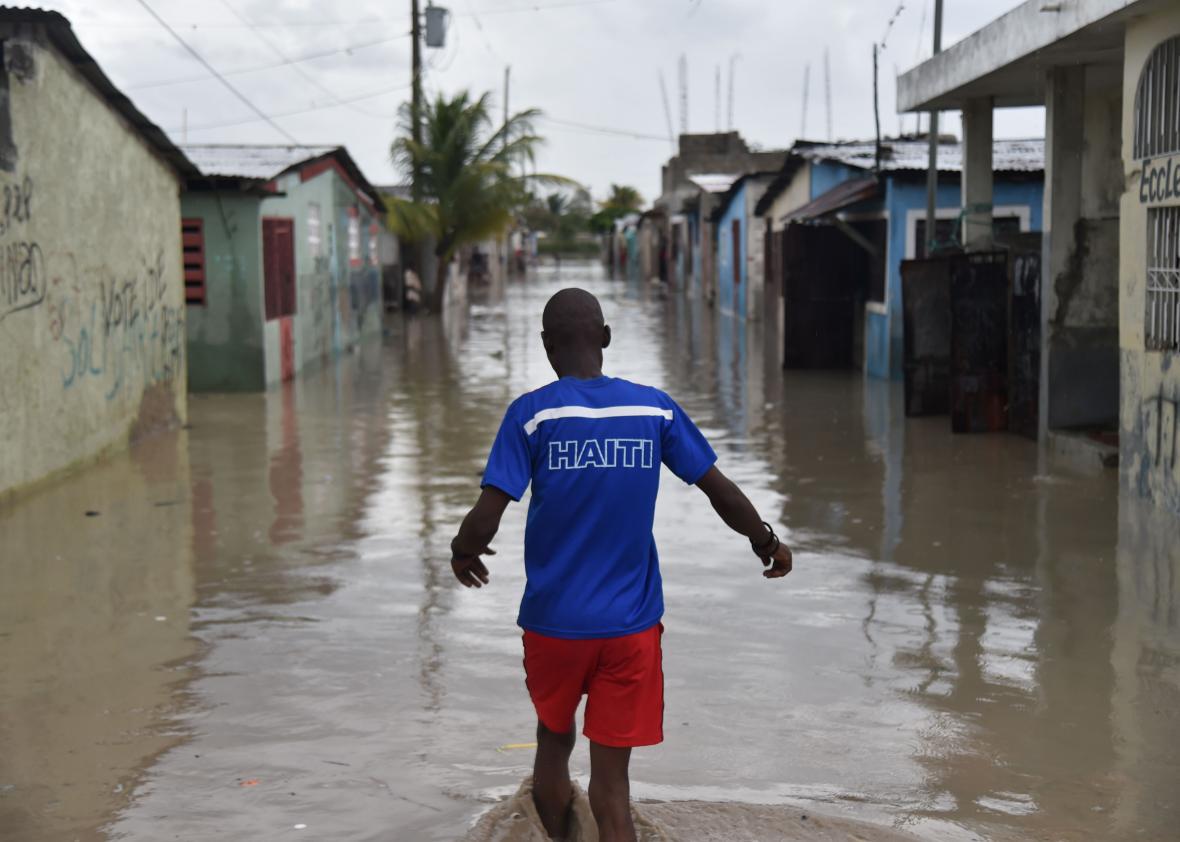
x=594, y=62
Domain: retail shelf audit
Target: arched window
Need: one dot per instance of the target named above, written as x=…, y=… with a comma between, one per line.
x=1157, y=103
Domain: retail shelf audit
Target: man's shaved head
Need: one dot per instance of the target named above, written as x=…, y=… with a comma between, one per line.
x=573, y=318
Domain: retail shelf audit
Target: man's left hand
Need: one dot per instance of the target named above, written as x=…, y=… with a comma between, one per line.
x=470, y=570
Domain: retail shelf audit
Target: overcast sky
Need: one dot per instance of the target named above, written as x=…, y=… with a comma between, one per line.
x=588, y=64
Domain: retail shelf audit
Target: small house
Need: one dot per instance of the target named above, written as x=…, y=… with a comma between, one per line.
x=282, y=258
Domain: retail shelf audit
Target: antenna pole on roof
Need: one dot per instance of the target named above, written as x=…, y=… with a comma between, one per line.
x=932, y=163
x=806, y=90
x=717, y=99
x=828, y=91
x=667, y=112
x=732, y=61
x=683, y=70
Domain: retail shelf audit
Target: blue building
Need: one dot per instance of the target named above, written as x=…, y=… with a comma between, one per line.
x=839, y=231
x=740, y=247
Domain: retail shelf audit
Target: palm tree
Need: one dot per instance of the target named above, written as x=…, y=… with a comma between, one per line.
x=624, y=199
x=466, y=182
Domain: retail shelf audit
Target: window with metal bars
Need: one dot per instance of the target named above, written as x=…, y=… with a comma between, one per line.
x=1157, y=103
x=1163, y=279
x=192, y=244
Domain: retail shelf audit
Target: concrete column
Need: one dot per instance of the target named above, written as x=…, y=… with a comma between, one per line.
x=1064, y=121
x=977, y=177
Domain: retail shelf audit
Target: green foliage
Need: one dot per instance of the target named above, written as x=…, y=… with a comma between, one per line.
x=622, y=201
x=464, y=167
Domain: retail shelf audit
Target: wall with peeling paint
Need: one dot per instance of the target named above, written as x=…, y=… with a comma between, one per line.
x=91, y=293
x=1149, y=440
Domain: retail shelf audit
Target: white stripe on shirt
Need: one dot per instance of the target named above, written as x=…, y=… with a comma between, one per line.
x=530, y=426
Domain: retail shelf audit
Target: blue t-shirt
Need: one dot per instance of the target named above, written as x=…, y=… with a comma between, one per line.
x=592, y=450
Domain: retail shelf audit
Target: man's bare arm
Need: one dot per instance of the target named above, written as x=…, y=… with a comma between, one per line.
x=475, y=534
x=740, y=515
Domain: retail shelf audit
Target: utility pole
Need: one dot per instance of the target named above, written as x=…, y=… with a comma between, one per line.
x=876, y=114
x=932, y=164
x=415, y=93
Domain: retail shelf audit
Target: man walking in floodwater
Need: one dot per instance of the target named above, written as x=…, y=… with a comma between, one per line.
x=591, y=446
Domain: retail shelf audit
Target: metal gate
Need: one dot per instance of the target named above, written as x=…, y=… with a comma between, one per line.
x=979, y=343
x=926, y=308
x=1024, y=361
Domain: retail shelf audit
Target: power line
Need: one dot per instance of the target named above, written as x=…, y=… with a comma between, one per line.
x=278, y=51
x=586, y=127
x=260, y=67
x=535, y=7
x=269, y=121
x=308, y=110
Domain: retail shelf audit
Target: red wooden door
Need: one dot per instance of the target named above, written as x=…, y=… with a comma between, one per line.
x=278, y=266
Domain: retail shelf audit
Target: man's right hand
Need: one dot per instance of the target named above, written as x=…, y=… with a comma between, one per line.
x=779, y=564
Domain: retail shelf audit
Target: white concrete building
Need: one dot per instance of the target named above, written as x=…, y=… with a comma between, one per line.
x=1108, y=74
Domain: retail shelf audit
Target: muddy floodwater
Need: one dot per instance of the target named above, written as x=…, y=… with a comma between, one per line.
x=248, y=630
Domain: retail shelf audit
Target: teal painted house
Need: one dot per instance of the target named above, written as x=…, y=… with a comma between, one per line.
x=282, y=262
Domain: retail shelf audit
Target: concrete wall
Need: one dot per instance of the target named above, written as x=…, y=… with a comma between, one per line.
x=1080, y=367
x=338, y=298
x=225, y=348
x=1150, y=380
x=91, y=293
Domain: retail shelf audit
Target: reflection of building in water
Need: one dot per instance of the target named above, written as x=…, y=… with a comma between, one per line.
x=1146, y=661
x=92, y=610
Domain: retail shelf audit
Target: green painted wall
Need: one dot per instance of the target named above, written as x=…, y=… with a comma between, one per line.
x=225, y=335
x=91, y=293
x=336, y=304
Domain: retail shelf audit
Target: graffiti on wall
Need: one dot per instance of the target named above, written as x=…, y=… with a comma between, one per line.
x=22, y=261
x=122, y=332
x=1162, y=427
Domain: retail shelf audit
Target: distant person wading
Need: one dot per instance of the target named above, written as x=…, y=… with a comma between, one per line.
x=591, y=447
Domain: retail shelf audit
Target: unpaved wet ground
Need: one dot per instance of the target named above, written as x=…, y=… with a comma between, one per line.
x=254, y=633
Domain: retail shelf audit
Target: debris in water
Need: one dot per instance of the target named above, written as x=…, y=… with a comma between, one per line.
x=300, y=827
x=91, y=513
x=515, y=746
x=250, y=782
x=160, y=618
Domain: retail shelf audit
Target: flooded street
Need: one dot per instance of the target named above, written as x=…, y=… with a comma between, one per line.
x=252, y=625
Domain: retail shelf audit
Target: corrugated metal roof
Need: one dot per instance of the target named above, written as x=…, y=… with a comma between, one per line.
x=714, y=182
x=1007, y=155
x=839, y=197
x=260, y=161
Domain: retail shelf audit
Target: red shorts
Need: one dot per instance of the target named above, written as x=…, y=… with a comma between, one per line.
x=622, y=677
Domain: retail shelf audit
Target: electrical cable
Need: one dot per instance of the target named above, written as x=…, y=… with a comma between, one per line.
x=535, y=7
x=260, y=67
x=268, y=120
x=308, y=110
x=586, y=127
x=278, y=51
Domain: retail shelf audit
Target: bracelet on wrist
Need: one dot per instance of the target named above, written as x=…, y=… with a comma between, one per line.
x=768, y=547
